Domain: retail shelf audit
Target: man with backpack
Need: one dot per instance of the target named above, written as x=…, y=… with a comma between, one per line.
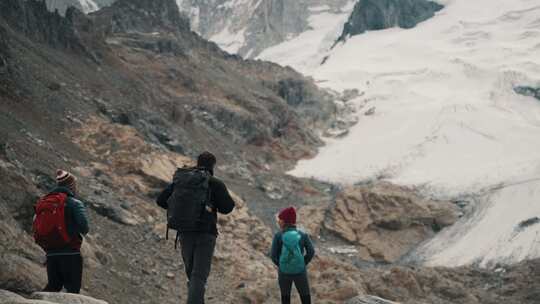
x=291, y=252
x=192, y=202
x=59, y=225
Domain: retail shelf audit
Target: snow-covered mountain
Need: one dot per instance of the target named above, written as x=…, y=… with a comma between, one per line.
x=247, y=27
x=443, y=116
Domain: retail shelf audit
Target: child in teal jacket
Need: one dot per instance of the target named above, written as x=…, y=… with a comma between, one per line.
x=291, y=252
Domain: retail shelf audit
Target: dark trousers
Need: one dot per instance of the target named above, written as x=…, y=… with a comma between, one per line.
x=64, y=271
x=197, y=253
x=302, y=285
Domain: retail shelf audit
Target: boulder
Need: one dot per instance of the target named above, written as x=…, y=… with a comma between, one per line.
x=21, y=274
x=65, y=298
x=6, y=296
x=382, y=14
x=386, y=221
x=311, y=218
x=366, y=299
x=528, y=91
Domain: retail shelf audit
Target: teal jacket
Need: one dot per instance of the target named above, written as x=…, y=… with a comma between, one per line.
x=305, y=245
x=76, y=222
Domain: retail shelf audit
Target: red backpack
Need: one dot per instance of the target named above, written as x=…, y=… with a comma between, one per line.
x=50, y=230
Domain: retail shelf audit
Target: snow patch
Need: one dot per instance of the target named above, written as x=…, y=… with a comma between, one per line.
x=230, y=42
x=306, y=51
x=494, y=233
x=320, y=8
x=89, y=6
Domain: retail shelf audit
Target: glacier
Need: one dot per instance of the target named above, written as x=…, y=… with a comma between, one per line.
x=446, y=119
x=503, y=228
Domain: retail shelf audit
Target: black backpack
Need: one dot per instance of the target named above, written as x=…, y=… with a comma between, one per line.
x=189, y=200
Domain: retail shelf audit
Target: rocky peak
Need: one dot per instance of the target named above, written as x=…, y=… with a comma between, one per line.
x=381, y=14
x=147, y=16
x=33, y=19
x=530, y=91
x=3, y=49
x=247, y=27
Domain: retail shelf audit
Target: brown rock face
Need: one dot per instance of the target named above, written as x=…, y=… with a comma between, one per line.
x=383, y=221
x=240, y=254
x=514, y=284
x=21, y=269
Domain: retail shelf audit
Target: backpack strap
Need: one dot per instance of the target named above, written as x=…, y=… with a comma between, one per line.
x=209, y=204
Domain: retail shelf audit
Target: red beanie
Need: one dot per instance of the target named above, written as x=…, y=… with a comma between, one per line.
x=288, y=215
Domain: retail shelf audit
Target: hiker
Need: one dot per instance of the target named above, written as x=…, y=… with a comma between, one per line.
x=291, y=252
x=192, y=202
x=59, y=225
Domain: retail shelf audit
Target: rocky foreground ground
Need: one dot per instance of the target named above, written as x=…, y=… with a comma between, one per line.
x=124, y=96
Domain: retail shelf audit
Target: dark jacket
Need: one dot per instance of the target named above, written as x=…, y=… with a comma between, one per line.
x=76, y=222
x=221, y=200
x=305, y=245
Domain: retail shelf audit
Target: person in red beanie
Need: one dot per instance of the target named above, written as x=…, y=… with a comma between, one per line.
x=291, y=252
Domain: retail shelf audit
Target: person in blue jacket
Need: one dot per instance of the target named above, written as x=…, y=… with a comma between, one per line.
x=291, y=252
x=65, y=265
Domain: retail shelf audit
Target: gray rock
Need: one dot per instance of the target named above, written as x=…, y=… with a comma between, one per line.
x=147, y=16
x=25, y=301
x=528, y=91
x=65, y=298
x=527, y=223
x=369, y=300
x=4, y=56
x=293, y=91
x=350, y=94
x=370, y=111
x=114, y=212
x=20, y=274
x=9, y=296
x=29, y=15
x=381, y=14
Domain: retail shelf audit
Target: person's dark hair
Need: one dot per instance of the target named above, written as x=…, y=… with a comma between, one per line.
x=206, y=160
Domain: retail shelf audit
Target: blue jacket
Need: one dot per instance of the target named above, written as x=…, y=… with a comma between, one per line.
x=76, y=222
x=305, y=245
